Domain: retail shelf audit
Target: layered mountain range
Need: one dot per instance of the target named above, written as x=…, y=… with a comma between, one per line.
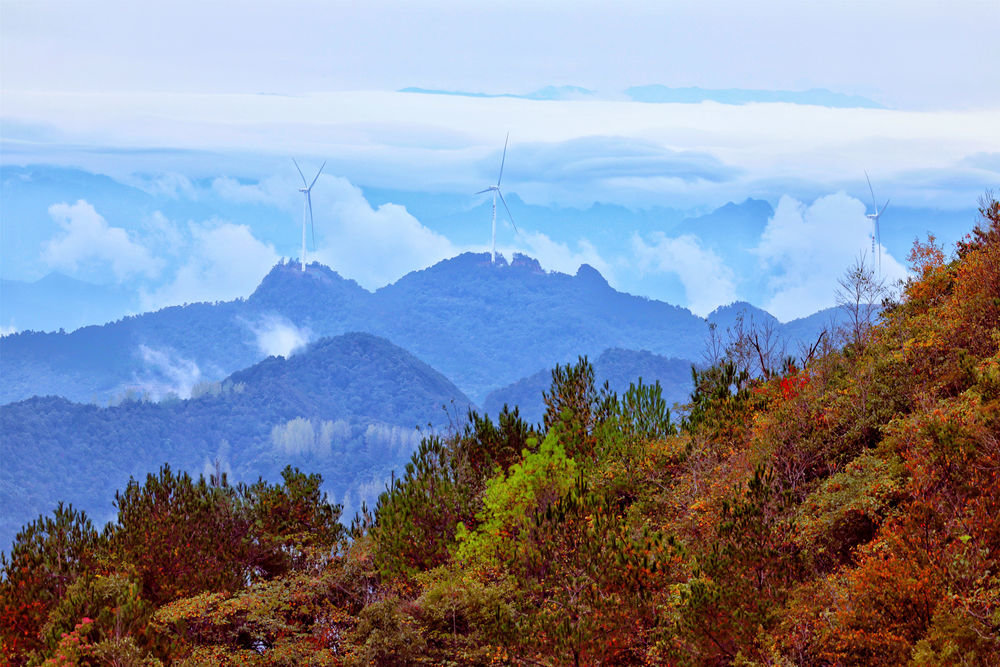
x=284, y=376
x=483, y=326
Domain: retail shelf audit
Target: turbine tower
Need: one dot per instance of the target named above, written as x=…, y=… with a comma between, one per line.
x=876, y=236
x=307, y=207
x=495, y=189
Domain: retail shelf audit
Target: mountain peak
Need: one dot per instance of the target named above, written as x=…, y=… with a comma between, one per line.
x=528, y=263
x=287, y=281
x=726, y=316
x=591, y=276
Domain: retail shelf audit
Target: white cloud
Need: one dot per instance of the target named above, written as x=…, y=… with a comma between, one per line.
x=708, y=282
x=806, y=248
x=224, y=261
x=276, y=336
x=170, y=184
x=167, y=373
x=556, y=256
x=664, y=154
x=273, y=191
x=161, y=232
x=374, y=246
x=88, y=242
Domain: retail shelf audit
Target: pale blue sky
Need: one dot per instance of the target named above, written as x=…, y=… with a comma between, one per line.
x=203, y=104
x=924, y=54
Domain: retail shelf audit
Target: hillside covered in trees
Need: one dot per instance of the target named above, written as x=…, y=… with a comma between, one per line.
x=839, y=509
x=347, y=407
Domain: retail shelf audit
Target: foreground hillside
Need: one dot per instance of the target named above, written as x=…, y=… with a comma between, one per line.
x=617, y=368
x=840, y=511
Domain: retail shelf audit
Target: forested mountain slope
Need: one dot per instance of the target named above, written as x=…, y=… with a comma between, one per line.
x=173, y=348
x=844, y=512
x=347, y=406
x=484, y=326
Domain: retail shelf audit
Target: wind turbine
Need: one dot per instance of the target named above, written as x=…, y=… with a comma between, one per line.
x=307, y=207
x=876, y=236
x=495, y=189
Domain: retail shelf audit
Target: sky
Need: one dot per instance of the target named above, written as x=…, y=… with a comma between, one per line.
x=198, y=106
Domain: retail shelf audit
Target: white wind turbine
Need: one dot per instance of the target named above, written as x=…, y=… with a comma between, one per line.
x=495, y=189
x=876, y=235
x=307, y=207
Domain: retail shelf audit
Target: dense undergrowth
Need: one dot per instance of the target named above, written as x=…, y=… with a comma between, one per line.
x=841, y=511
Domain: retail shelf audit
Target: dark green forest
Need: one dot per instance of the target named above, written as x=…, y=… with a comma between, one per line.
x=358, y=399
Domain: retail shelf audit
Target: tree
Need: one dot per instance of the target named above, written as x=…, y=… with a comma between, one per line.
x=756, y=348
x=575, y=402
x=861, y=291
x=742, y=577
x=102, y=620
x=45, y=559
x=442, y=486
x=293, y=523
x=182, y=537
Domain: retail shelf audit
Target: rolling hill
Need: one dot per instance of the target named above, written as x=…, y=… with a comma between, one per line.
x=347, y=406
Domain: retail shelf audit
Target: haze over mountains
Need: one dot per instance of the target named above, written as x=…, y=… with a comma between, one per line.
x=346, y=407
x=482, y=326
x=193, y=384
x=149, y=240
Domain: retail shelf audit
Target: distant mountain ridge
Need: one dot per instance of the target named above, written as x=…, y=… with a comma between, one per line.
x=57, y=301
x=483, y=326
x=546, y=93
x=657, y=93
x=462, y=327
x=692, y=95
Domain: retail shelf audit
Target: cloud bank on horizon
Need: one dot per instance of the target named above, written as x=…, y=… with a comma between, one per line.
x=802, y=251
x=563, y=152
x=785, y=102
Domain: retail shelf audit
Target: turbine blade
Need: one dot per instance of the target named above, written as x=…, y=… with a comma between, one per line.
x=317, y=175
x=870, y=190
x=486, y=190
x=311, y=225
x=884, y=206
x=503, y=159
x=508, y=211
x=300, y=171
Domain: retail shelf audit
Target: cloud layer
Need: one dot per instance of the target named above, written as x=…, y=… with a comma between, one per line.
x=276, y=336
x=806, y=248
x=88, y=242
x=565, y=152
x=222, y=261
x=708, y=282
